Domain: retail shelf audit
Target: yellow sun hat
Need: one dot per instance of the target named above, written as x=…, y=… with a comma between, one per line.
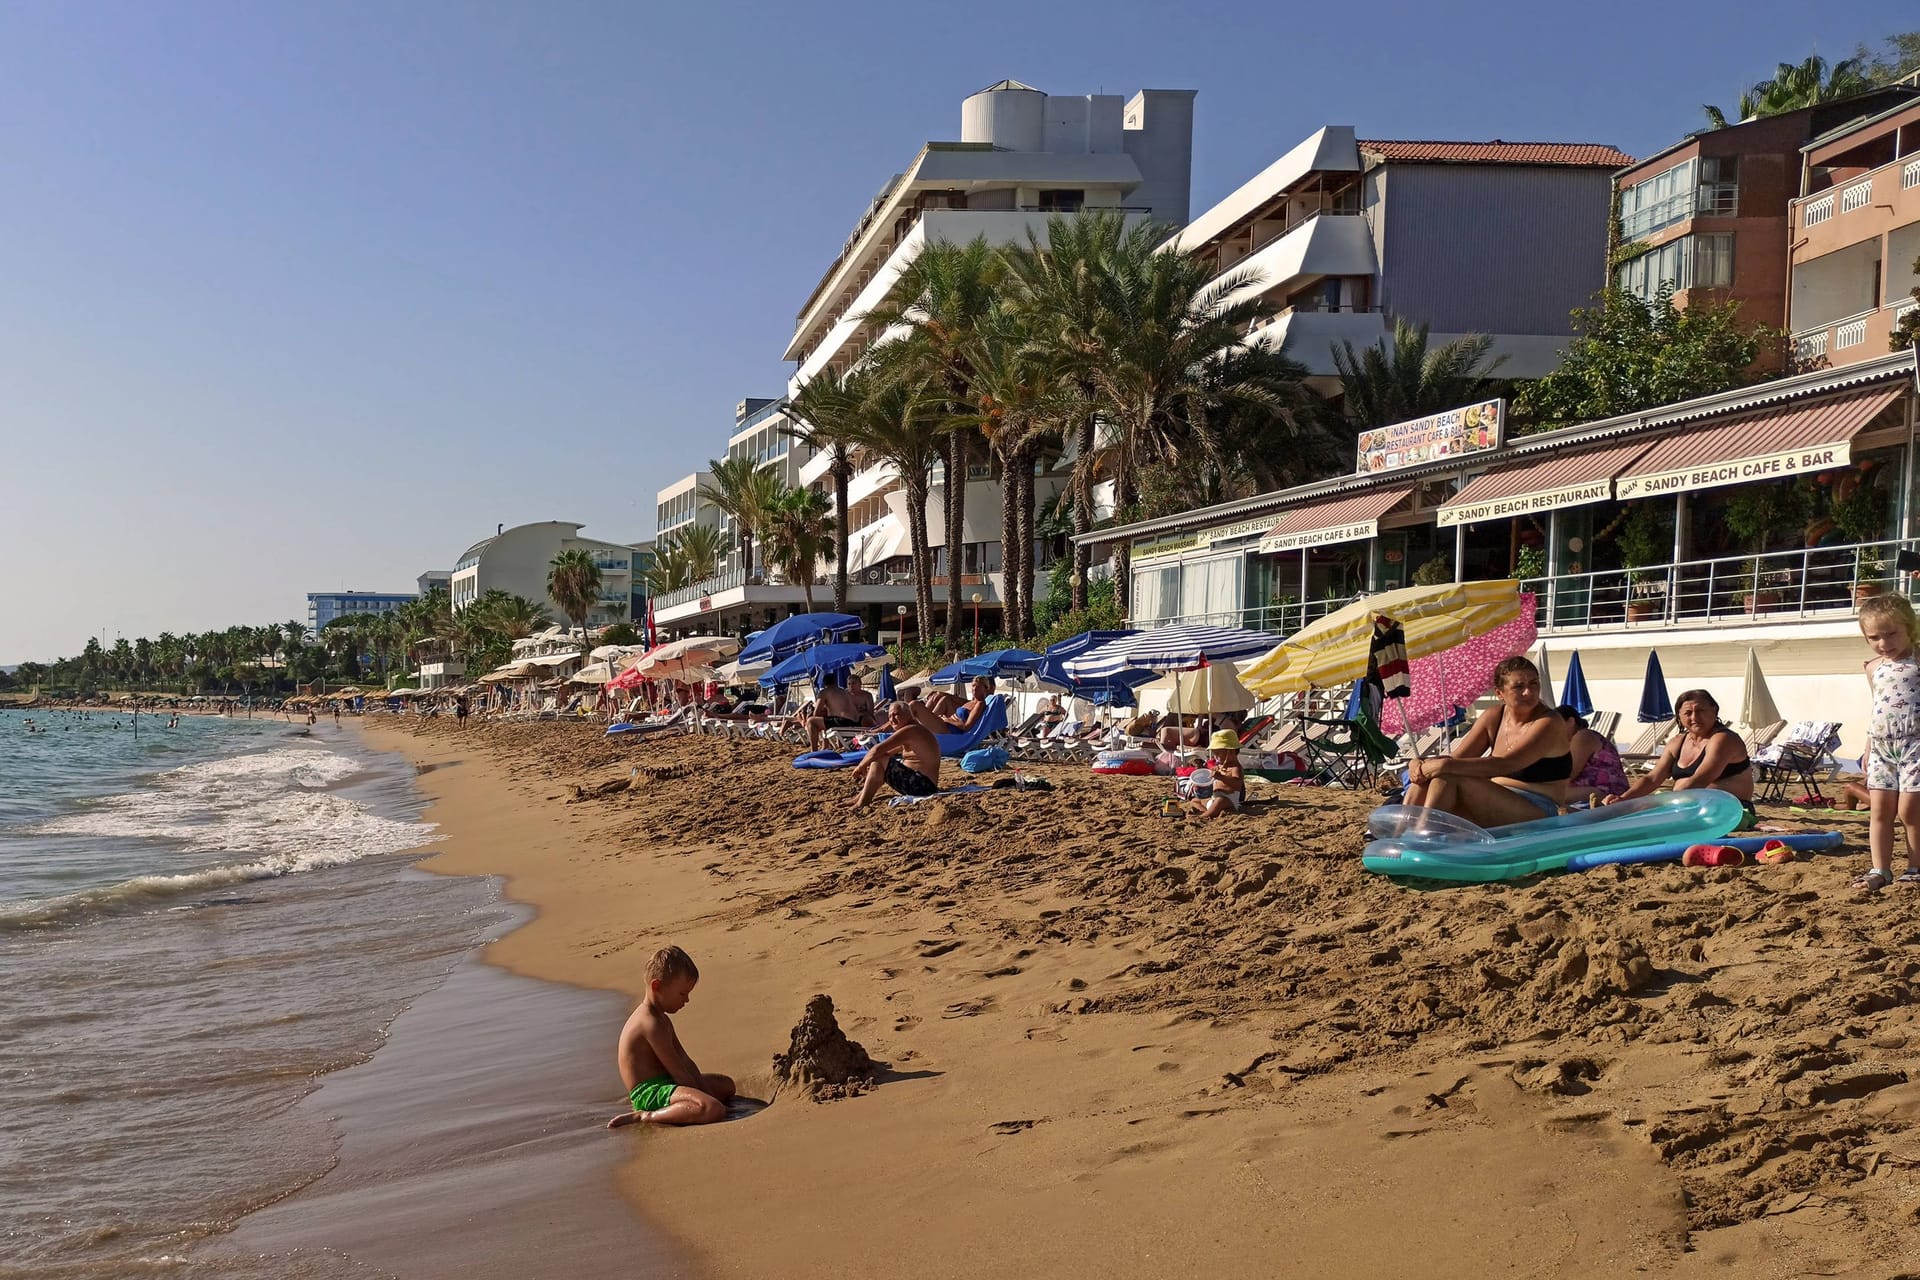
x=1224, y=740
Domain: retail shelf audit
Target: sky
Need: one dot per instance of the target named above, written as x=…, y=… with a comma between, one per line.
x=310, y=296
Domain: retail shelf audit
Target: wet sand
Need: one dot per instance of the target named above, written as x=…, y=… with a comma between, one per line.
x=1117, y=1043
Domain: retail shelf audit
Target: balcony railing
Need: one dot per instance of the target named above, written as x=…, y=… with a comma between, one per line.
x=1857, y=196
x=1812, y=583
x=1819, y=211
x=1282, y=619
x=1910, y=175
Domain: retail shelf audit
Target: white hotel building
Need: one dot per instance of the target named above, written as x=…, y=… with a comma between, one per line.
x=1023, y=156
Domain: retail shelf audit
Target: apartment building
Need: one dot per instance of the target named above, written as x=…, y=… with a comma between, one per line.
x=1347, y=235
x=1710, y=214
x=517, y=561
x=324, y=606
x=1856, y=237
x=1023, y=156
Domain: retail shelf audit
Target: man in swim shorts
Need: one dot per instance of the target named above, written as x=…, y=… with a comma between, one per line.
x=837, y=708
x=907, y=759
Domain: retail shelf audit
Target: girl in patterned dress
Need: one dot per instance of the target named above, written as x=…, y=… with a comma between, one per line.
x=1893, y=747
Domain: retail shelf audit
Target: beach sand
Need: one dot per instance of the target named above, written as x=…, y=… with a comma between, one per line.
x=1118, y=1044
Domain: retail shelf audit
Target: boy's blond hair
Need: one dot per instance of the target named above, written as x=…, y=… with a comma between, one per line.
x=1897, y=608
x=669, y=963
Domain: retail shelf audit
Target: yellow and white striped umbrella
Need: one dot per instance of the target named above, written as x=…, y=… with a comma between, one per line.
x=1333, y=651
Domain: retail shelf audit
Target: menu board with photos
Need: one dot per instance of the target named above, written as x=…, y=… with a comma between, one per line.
x=1434, y=438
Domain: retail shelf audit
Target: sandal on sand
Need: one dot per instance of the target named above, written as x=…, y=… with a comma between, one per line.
x=1774, y=852
x=1873, y=881
x=1712, y=855
x=1910, y=876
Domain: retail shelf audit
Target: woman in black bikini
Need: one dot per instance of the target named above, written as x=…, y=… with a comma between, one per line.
x=1705, y=754
x=1513, y=765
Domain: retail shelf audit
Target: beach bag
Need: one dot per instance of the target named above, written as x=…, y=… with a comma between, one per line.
x=984, y=759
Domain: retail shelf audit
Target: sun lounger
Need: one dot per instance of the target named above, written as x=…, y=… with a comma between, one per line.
x=1759, y=739
x=1604, y=723
x=1649, y=743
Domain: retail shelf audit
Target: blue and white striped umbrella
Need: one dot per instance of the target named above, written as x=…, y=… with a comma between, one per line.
x=1171, y=649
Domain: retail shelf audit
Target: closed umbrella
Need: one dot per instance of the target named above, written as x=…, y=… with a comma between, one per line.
x=1573, y=693
x=1546, y=680
x=1756, y=703
x=886, y=693
x=1334, y=650
x=1655, y=706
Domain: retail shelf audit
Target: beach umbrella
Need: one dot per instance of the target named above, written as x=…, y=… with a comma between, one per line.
x=1334, y=650
x=885, y=693
x=997, y=662
x=1756, y=703
x=1170, y=649
x=1207, y=690
x=596, y=673
x=1441, y=685
x=1113, y=691
x=821, y=662
x=1573, y=690
x=1655, y=705
x=1546, y=680
x=790, y=635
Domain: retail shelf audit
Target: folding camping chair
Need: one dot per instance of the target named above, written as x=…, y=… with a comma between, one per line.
x=1802, y=754
x=1349, y=751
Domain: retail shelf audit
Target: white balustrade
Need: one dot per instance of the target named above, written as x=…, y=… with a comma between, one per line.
x=1819, y=211
x=1857, y=196
x=1910, y=176
x=1850, y=334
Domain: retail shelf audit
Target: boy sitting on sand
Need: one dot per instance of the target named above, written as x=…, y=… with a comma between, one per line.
x=1229, y=778
x=663, y=1084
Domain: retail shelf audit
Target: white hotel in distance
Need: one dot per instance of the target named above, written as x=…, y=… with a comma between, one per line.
x=1023, y=156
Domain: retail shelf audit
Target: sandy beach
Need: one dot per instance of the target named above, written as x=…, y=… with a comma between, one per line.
x=1116, y=1044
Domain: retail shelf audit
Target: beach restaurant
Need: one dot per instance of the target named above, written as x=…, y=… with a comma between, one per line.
x=1755, y=518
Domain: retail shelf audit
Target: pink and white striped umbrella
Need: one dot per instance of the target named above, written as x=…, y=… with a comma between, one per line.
x=1454, y=678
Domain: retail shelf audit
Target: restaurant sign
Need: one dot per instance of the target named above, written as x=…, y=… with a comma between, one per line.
x=1771, y=466
x=1434, y=438
x=1520, y=504
x=1357, y=531
x=1179, y=543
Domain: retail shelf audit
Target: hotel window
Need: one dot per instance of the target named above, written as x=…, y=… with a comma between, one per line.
x=1690, y=262
x=1660, y=201
x=1719, y=194
x=1062, y=200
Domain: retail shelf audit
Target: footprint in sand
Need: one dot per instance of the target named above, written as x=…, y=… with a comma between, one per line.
x=905, y=1022
x=930, y=948
x=1013, y=1126
x=967, y=1008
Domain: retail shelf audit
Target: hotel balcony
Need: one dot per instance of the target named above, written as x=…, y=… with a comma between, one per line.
x=843, y=341
x=1311, y=336
x=1326, y=244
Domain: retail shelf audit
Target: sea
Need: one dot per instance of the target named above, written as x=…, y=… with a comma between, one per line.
x=241, y=1035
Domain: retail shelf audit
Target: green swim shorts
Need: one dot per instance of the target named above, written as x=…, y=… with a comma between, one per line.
x=651, y=1095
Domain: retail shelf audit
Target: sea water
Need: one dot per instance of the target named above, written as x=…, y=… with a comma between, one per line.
x=198, y=924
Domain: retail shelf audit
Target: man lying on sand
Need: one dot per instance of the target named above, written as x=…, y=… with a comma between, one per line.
x=907, y=759
x=663, y=1084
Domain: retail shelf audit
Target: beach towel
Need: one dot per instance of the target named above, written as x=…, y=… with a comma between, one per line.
x=1387, y=659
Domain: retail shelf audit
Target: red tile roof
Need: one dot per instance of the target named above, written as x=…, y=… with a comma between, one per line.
x=1577, y=154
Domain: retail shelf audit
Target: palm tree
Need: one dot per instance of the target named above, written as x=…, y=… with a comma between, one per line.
x=826, y=416
x=1400, y=378
x=1796, y=85
x=746, y=491
x=898, y=411
x=1019, y=405
x=1163, y=320
x=573, y=580
x=1058, y=285
x=942, y=298
x=799, y=530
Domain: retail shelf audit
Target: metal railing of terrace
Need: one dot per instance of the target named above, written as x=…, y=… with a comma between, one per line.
x=1281, y=619
x=1815, y=582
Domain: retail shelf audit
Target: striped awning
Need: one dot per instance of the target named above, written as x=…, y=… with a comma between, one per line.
x=1759, y=446
x=1541, y=484
x=1353, y=519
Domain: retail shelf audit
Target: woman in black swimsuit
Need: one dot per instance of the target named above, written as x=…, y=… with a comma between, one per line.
x=1513, y=765
x=1705, y=754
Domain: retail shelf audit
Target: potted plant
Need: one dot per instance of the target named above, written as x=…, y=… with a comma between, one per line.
x=1756, y=515
x=1860, y=517
x=1434, y=572
x=1646, y=539
x=1530, y=563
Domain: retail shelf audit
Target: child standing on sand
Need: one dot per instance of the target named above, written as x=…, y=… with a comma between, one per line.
x=663, y=1084
x=1893, y=744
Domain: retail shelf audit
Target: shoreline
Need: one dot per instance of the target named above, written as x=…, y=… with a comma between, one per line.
x=1114, y=1040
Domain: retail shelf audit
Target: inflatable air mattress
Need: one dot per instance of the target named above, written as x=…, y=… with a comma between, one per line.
x=1409, y=841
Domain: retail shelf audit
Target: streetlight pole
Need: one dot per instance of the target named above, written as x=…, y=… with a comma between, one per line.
x=976, y=622
x=901, y=610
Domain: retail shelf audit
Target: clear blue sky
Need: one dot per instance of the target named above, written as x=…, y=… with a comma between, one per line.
x=426, y=267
